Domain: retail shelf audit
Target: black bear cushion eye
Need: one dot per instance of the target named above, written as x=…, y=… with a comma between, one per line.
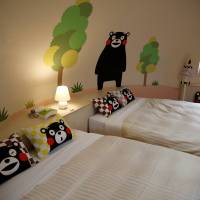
x=12, y=152
x=14, y=158
x=52, y=132
x=113, y=37
x=57, y=133
x=61, y=127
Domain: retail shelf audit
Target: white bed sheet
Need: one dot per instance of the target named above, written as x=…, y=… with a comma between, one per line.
x=21, y=184
x=113, y=124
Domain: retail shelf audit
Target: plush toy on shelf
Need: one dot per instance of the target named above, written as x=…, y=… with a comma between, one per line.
x=197, y=97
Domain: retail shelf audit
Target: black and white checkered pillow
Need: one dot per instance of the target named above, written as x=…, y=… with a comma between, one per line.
x=101, y=106
x=14, y=158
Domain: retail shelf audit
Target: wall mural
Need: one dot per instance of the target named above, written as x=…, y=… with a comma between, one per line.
x=149, y=57
x=112, y=61
x=68, y=37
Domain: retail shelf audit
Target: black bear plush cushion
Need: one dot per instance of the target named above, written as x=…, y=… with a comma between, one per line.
x=57, y=133
x=14, y=158
x=127, y=94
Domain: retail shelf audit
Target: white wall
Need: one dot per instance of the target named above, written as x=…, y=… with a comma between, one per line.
x=25, y=34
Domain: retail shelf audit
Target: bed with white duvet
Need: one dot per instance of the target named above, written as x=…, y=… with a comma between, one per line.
x=169, y=123
x=96, y=167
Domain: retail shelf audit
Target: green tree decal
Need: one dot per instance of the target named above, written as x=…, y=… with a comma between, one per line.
x=68, y=37
x=148, y=58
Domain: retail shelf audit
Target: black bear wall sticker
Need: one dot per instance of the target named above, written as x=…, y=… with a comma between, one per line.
x=112, y=61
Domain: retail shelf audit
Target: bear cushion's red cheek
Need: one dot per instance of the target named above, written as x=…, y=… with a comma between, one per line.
x=50, y=141
x=68, y=131
x=23, y=157
x=108, y=42
x=124, y=42
x=110, y=107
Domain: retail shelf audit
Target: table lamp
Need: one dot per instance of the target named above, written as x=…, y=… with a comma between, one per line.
x=62, y=96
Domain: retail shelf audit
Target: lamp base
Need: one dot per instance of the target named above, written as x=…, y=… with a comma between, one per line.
x=62, y=105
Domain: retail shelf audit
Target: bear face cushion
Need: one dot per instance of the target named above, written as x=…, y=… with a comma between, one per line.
x=14, y=158
x=113, y=103
x=47, y=136
x=56, y=133
x=127, y=94
x=120, y=97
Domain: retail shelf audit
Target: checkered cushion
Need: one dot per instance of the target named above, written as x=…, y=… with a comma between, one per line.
x=121, y=99
x=14, y=157
x=101, y=106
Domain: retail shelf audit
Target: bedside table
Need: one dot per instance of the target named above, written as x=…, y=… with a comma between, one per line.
x=76, y=114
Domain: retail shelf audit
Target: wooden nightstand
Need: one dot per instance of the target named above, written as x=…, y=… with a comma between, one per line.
x=77, y=114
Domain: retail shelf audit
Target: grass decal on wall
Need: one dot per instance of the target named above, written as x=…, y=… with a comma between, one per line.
x=29, y=104
x=155, y=83
x=68, y=37
x=77, y=87
x=3, y=114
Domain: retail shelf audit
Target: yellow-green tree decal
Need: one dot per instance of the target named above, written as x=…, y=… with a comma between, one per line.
x=68, y=37
x=148, y=58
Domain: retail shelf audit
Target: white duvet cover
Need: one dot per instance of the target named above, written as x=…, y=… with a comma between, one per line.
x=21, y=184
x=121, y=169
x=170, y=123
x=94, y=167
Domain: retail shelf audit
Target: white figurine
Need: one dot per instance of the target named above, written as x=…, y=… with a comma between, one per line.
x=186, y=73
